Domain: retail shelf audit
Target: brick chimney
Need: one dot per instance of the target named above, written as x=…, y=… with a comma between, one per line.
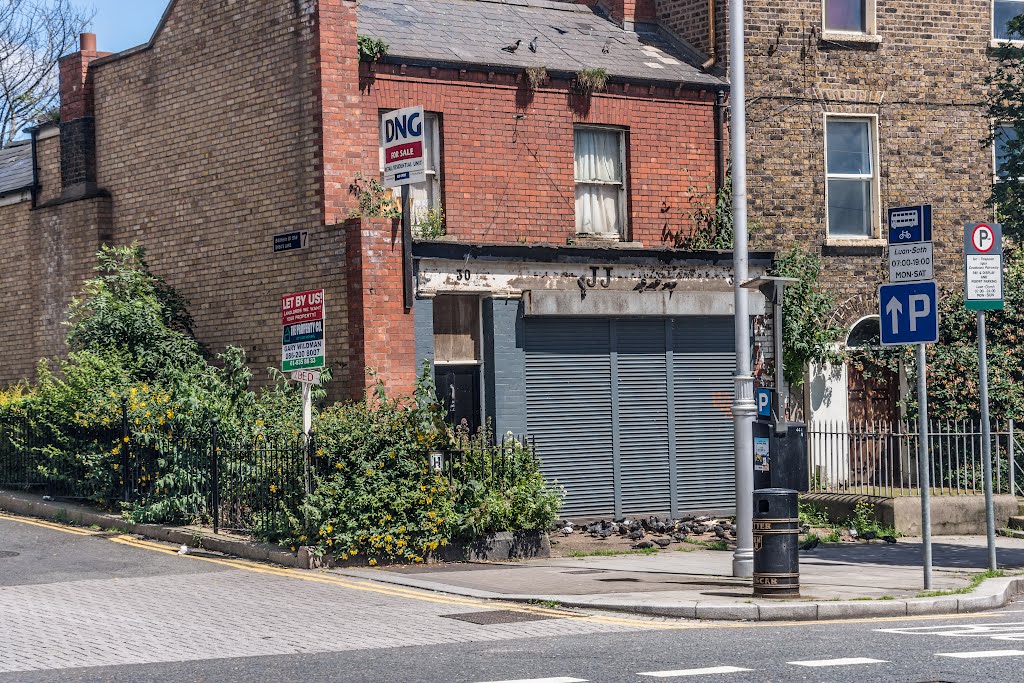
x=627, y=13
x=77, y=126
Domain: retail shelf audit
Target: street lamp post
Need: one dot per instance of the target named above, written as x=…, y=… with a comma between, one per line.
x=743, y=407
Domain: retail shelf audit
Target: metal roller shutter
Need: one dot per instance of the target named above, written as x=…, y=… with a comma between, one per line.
x=643, y=417
x=569, y=408
x=704, y=360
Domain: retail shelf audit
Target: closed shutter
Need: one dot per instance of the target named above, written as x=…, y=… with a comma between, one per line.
x=643, y=415
x=704, y=361
x=569, y=408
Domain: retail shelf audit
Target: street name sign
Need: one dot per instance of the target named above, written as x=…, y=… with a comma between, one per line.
x=909, y=313
x=291, y=240
x=402, y=137
x=983, y=264
x=910, y=224
x=302, y=344
x=910, y=262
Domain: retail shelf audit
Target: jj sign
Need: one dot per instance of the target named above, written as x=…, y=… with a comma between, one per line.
x=402, y=137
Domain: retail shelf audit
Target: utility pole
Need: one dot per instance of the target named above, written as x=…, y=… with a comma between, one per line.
x=743, y=407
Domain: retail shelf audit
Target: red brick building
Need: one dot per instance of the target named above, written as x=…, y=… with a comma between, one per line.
x=568, y=149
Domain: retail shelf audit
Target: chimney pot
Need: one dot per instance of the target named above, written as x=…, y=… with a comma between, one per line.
x=87, y=42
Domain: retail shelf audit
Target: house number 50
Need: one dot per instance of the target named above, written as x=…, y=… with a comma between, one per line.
x=462, y=275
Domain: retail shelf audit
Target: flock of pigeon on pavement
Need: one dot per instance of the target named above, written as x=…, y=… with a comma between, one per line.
x=655, y=532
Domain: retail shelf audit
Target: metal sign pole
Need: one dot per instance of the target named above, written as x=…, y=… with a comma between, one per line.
x=923, y=470
x=307, y=426
x=407, y=289
x=986, y=437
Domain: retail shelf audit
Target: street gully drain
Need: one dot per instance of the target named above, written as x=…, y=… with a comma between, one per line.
x=586, y=571
x=8, y=553
x=500, y=616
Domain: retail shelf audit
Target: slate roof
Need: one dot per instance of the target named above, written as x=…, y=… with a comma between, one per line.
x=570, y=37
x=15, y=167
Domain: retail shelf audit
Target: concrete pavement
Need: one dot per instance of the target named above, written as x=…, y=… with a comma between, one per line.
x=837, y=581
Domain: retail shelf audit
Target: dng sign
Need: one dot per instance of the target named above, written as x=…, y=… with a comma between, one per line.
x=403, y=147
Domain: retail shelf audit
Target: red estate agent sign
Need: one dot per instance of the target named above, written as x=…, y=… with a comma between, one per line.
x=302, y=307
x=302, y=344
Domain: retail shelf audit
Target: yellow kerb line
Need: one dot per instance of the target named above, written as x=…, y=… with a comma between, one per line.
x=48, y=525
x=368, y=585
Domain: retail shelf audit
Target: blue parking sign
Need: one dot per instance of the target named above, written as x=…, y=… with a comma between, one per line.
x=909, y=313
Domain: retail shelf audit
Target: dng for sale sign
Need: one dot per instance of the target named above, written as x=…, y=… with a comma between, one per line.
x=302, y=343
x=402, y=137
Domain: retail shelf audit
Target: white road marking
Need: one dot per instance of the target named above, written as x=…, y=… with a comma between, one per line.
x=848, y=661
x=695, y=672
x=544, y=680
x=982, y=654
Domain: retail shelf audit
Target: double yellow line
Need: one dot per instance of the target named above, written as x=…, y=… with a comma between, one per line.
x=439, y=598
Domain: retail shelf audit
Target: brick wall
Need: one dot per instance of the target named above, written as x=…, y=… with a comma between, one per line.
x=923, y=81
x=19, y=307
x=209, y=143
x=508, y=153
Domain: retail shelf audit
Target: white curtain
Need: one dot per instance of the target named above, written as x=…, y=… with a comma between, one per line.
x=598, y=181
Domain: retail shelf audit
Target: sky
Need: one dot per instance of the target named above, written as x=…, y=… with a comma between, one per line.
x=121, y=24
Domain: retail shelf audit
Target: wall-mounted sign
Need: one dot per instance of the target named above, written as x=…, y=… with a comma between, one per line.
x=291, y=240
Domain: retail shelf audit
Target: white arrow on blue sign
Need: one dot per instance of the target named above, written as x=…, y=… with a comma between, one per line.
x=909, y=313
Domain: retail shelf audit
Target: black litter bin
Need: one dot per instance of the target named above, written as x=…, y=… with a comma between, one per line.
x=776, y=544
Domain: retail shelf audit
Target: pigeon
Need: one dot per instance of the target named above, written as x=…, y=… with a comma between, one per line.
x=511, y=48
x=654, y=285
x=594, y=528
x=640, y=285
x=637, y=535
x=720, y=532
x=682, y=538
x=183, y=550
x=606, y=48
x=561, y=31
x=719, y=527
x=533, y=44
x=889, y=539
x=811, y=544
x=853, y=533
x=870, y=535
x=566, y=530
x=663, y=542
x=643, y=545
x=604, y=533
x=623, y=530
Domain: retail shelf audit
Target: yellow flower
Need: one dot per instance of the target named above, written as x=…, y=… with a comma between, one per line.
x=115, y=466
x=330, y=528
x=330, y=541
x=302, y=538
x=423, y=488
x=273, y=488
x=126, y=439
x=293, y=549
x=429, y=499
x=259, y=423
x=401, y=529
x=117, y=450
x=391, y=455
x=170, y=414
x=387, y=538
x=339, y=466
x=369, y=472
x=352, y=552
x=373, y=562
x=147, y=413
x=433, y=545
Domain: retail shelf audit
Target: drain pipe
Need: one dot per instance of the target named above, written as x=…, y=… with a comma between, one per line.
x=712, y=51
x=720, y=166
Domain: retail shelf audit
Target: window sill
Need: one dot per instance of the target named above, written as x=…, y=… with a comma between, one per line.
x=843, y=37
x=584, y=240
x=1003, y=42
x=856, y=242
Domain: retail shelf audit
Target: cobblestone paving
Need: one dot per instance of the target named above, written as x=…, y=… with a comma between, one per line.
x=177, y=617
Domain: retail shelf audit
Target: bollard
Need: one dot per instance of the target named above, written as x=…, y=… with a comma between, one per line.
x=776, y=544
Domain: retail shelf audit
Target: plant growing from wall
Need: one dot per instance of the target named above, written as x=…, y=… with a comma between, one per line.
x=712, y=223
x=431, y=225
x=589, y=81
x=371, y=49
x=375, y=200
x=536, y=76
x=808, y=334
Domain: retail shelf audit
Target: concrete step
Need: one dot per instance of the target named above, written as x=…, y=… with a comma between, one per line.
x=1020, y=507
x=1016, y=523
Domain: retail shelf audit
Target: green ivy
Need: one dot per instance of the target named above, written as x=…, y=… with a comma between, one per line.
x=808, y=331
x=371, y=49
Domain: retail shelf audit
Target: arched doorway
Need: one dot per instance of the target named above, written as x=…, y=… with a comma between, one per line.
x=870, y=398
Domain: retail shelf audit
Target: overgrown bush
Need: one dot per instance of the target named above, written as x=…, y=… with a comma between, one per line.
x=138, y=392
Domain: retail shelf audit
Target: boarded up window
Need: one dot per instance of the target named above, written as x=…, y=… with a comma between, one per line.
x=457, y=329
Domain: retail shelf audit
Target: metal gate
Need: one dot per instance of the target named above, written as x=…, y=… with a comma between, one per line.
x=632, y=415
